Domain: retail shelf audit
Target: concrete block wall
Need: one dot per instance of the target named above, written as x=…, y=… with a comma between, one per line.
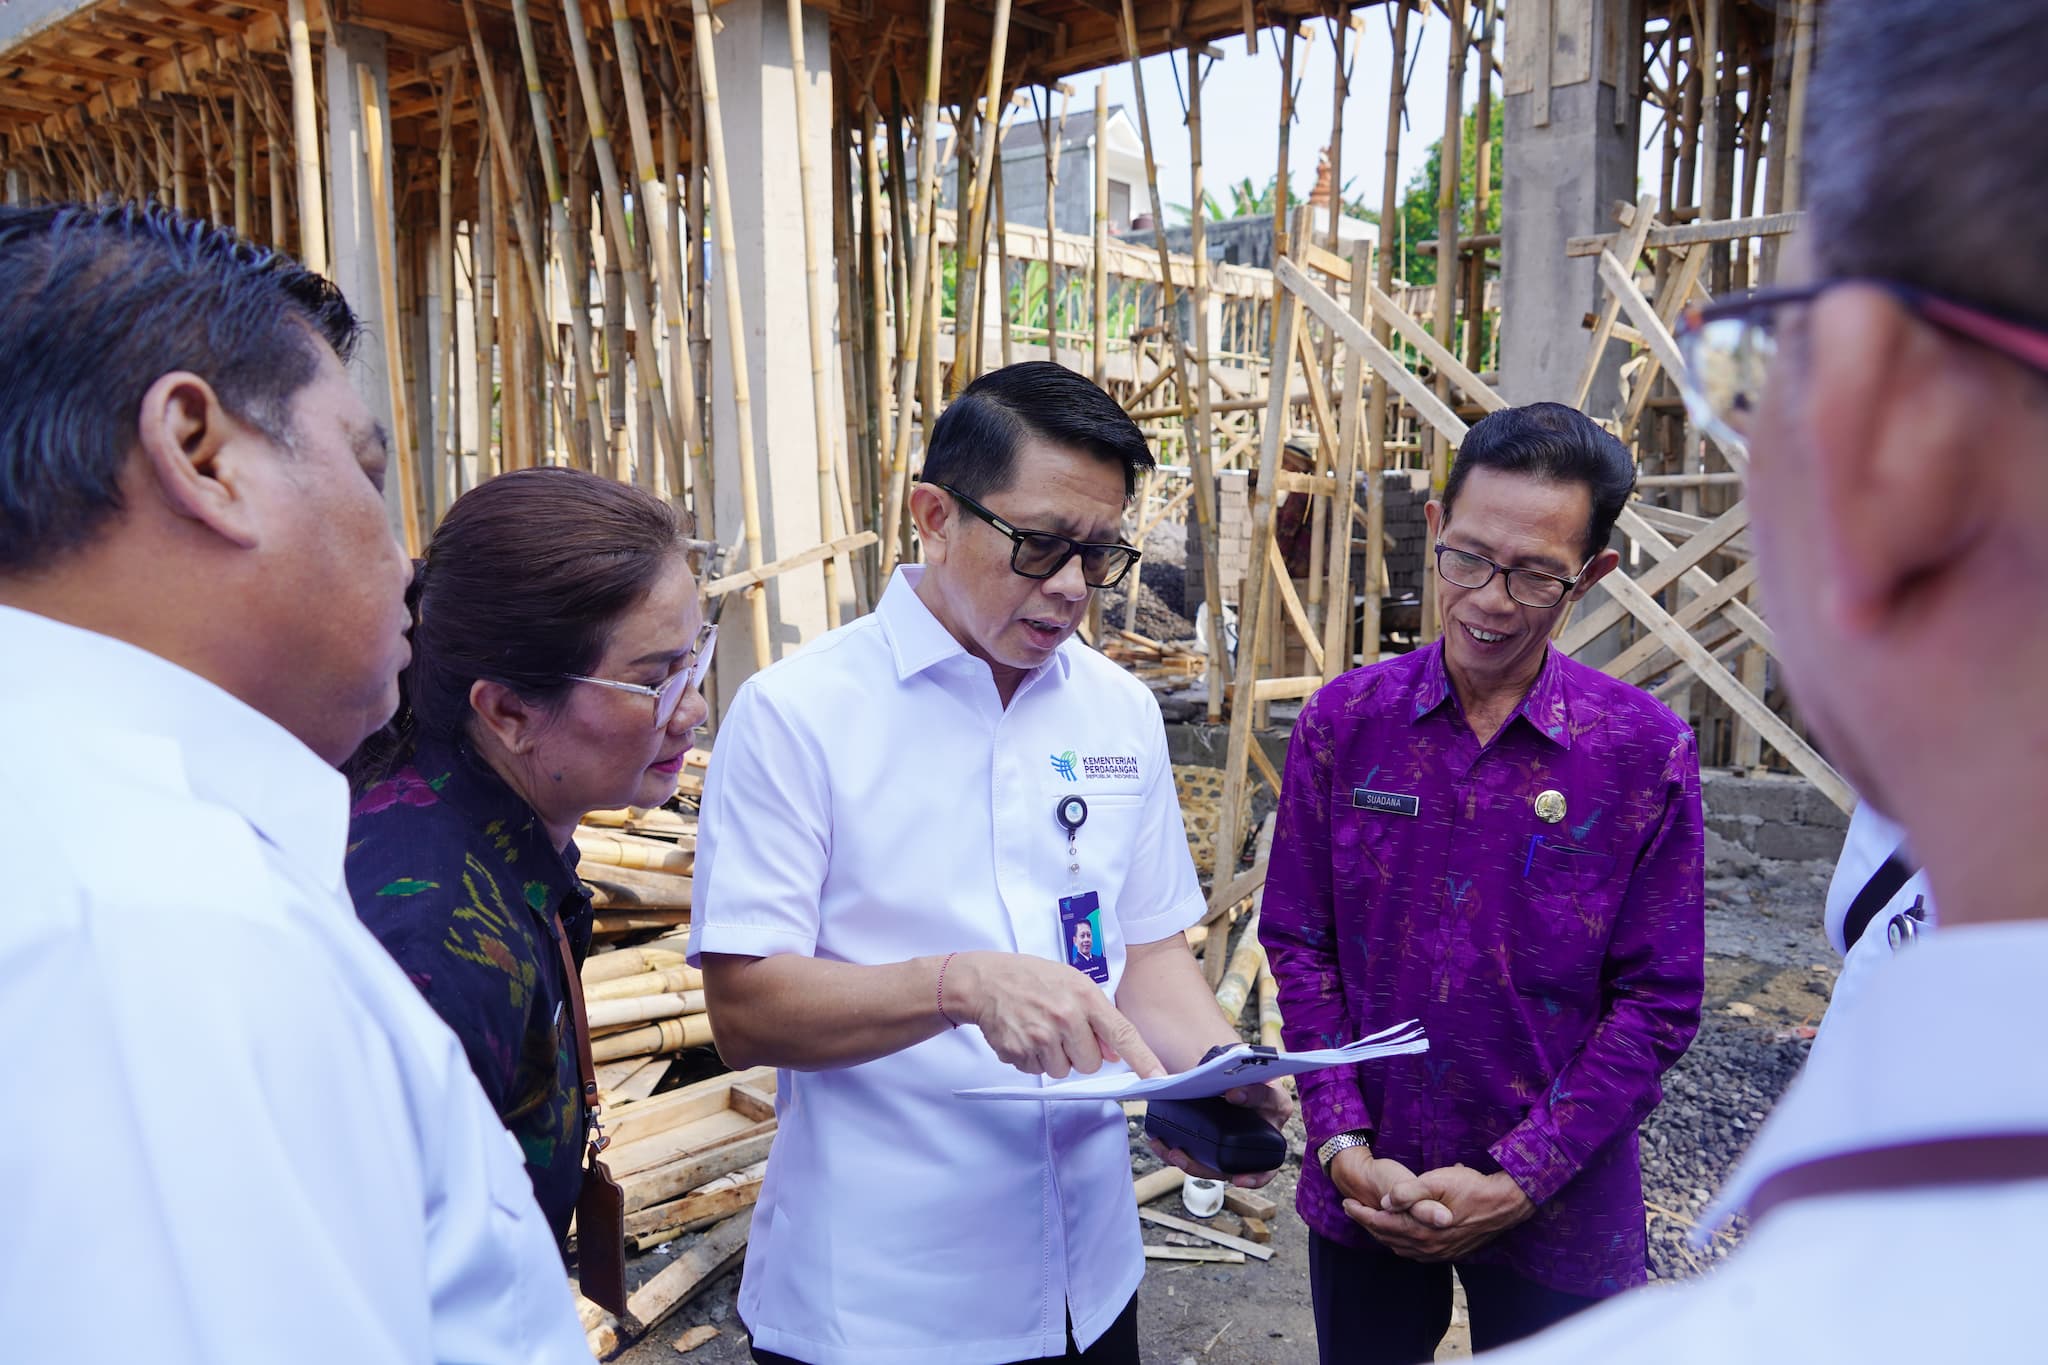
x=1770, y=816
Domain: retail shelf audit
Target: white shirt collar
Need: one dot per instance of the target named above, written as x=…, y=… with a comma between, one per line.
x=919, y=640
x=1949, y=1040
x=233, y=755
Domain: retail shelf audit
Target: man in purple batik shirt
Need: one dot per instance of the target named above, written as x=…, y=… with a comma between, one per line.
x=1505, y=844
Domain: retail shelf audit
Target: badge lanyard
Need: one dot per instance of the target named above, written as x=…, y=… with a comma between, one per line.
x=1081, y=938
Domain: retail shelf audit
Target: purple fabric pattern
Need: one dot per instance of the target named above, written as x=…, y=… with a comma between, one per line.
x=1558, y=967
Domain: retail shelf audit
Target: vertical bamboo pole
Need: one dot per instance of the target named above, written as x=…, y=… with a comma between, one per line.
x=1482, y=187
x=207, y=175
x=1795, y=121
x=849, y=459
x=1337, y=623
x=387, y=304
x=590, y=408
x=735, y=325
x=560, y=240
x=1376, y=414
x=878, y=320
x=306, y=137
x=484, y=257
x=684, y=390
x=1446, y=268
x=615, y=352
x=1100, y=265
x=1200, y=452
x=700, y=311
x=1002, y=236
x=243, y=227
x=815, y=306
x=1052, y=186
x=273, y=158
x=1280, y=187
x=1205, y=486
x=653, y=194
x=181, y=191
x=967, y=309
x=450, y=444
x=921, y=284
x=638, y=305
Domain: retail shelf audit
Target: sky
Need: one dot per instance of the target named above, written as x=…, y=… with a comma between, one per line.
x=1241, y=108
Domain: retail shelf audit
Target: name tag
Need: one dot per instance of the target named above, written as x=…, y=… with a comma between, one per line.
x=1387, y=803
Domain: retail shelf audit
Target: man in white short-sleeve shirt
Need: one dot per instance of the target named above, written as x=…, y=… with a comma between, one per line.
x=235, y=1132
x=1895, y=400
x=906, y=829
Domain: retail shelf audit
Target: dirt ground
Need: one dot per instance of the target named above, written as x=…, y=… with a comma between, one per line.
x=1768, y=976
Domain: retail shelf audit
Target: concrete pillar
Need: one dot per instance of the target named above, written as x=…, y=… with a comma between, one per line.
x=758, y=101
x=353, y=262
x=1569, y=157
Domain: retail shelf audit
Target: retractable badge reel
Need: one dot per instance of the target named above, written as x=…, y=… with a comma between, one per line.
x=1080, y=911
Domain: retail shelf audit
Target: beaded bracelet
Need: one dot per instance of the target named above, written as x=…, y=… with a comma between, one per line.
x=951, y=1022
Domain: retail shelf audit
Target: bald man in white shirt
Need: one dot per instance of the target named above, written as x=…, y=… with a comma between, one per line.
x=1896, y=404
x=237, y=1133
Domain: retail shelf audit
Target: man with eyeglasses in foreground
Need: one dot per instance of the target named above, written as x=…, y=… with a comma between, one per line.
x=1896, y=409
x=906, y=827
x=1505, y=844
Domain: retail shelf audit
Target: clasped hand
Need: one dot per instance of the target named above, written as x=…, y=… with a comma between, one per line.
x=1439, y=1215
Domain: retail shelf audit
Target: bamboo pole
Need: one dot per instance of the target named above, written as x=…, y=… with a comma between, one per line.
x=1099, y=267
x=1002, y=236
x=1795, y=121
x=1446, y=269
x=1337, y=622
x=450, y=445
x=816, y=310
x=1376, y=413
x=684, y=390
x=181, y=191
x=912, y=341
x=387, y=302
x=306, y=137
x=700, y=311
x=850, y=459
x=1199, y=451
x=654, y=195
x=1205, y=488
x=561, y=239
x=241, y=167
x=1482, y=198
x=638, y=305
x=1052, y=185
x=1280, y=177
x=735, y=325
x=484, y=255
x=967, y=307
x=878, y=322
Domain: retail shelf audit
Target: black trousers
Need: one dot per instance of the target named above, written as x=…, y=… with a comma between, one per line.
x=1375, y=1308
x=1117, y=1346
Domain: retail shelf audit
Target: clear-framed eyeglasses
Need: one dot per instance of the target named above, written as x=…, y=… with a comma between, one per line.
x=1530, y=587
x=669, y=694
x=1729, y=347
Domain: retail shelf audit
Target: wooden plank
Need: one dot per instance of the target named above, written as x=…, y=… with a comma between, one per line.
x=680, y=1105
x=1385, y=362
x=746, y=578
x=1689, y=234
x=1659, y=576
x=1685, y=525
x=679, y=1177
x=715, y=1200
x=1453, y=369
x=1655, y=334
x=1251, y=1204
x=1216, y=1254
x=1740, y=699
x=1610, y=310
x=1291, y=600
x=686, y=1276
x=1207, y=1233
x=1158, y=1184
x=1648, y=649
x=1286, y=689
x=699, y=1135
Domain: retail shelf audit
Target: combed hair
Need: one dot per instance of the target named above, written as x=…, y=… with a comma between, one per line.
x=1557, y=444
x=97, y=304
x=522, y=585
x=1920, y=117
x=974, y=443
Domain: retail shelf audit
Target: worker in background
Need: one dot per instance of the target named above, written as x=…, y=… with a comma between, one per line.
x=1505, y=844
x=1894, y=395
x=904, y=828
x=557, y=644
x=228, y=1111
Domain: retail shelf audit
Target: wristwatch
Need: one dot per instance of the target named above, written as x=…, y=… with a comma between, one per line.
x=1327, y=1153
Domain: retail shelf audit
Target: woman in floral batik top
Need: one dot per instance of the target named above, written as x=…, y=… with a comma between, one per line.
x=558, y=642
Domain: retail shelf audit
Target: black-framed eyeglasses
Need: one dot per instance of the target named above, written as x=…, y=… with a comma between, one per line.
x=1730, y=346
x=1530, y=587
x=669, y=694
x=1041, y=554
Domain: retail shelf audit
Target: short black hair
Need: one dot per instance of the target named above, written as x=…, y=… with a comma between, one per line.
x=1557, y=444
x=974, y=443
x=96, y=304
x=1917, y=121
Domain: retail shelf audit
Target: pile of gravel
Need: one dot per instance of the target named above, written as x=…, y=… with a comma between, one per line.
x=1715, y=1100
x=1164, y=611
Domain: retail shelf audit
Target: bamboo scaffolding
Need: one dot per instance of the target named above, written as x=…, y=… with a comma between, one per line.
x=306, y=139
x=735, y=323
x=967, y=329
x=387, y=302
x=912, y=338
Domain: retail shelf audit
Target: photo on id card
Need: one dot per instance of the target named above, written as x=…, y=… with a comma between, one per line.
x=1081, y=935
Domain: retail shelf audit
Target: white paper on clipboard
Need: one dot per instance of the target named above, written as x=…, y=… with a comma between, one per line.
x=1213, y=1077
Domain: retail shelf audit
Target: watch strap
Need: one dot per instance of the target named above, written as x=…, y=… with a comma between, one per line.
x=1341, y=1142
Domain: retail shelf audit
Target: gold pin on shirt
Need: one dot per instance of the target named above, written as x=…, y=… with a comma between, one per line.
x=1550, y=807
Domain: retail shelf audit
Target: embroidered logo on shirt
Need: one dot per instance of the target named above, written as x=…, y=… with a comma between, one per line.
x=1390, y=803
x=1110, y=768
x=1063, y=764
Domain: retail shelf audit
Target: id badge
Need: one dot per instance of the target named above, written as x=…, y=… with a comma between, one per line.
x=1081, y=936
